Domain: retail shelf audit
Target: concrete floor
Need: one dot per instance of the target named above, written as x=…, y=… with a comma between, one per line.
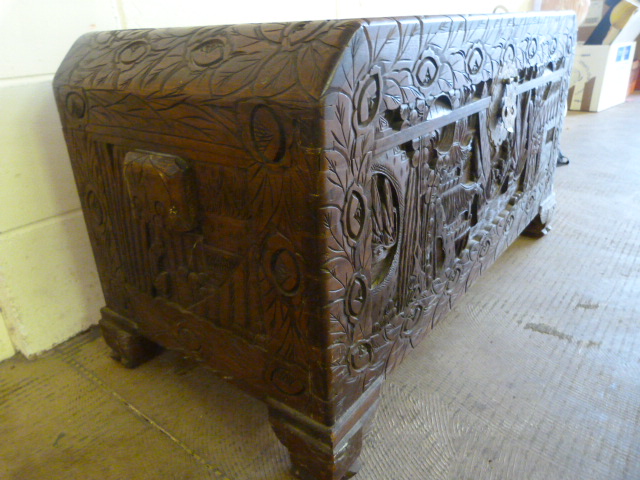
x=535, y=375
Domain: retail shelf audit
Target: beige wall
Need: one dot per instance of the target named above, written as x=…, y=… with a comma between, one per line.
x=49, y=289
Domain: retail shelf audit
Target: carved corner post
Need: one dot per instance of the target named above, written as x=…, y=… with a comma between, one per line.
x=296, y=205
x=325, y=452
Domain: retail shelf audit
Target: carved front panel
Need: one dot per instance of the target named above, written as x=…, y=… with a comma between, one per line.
x=441, y=145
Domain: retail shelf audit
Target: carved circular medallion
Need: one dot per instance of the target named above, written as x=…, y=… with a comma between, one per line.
x=133, y=52
x=553, y=46
x=281, y=265
x=360, y=355
x=427, y=72
x=286, y=382
x=354, y=214
x=94, y=208
x=356, y=296
x=369, y=100
x=475, y=60
x=207, y=53
x=75, y=105
x=485, y=247
x=285, y=271
x=267, y=134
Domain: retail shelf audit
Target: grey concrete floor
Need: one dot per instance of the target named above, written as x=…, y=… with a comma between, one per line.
x=534, y=375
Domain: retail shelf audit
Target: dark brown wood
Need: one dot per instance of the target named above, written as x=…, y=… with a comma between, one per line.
x=127, y=345
x=296, y=205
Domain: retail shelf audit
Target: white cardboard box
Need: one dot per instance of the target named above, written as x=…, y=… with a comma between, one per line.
x=600, y=76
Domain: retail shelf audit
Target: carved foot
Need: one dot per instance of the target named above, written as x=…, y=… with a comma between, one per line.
x=320, y=452
x=540, y=225
x=127, y=345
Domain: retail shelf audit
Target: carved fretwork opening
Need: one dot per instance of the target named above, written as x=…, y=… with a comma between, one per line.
x=488, y=85
x=394, y=119
x=522, y=179
x=528, y=73
x=480, y=90
x=551, y=135
x=461, y=244
x=440, y=107
x=433, y=158
x=505, y=184
x=408, y=149
x=447, y=137
x=501, y=168
x=438, y=257
x=475, y=206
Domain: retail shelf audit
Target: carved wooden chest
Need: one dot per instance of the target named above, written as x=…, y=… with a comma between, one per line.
x=296, y=205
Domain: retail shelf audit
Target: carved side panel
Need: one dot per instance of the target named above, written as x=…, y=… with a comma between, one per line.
x=196, y=153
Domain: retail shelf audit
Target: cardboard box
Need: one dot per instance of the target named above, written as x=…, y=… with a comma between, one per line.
x=600, y=76
x=634, y=78
x=610, y=21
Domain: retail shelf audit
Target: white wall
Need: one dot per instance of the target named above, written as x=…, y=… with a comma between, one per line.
x=49, y=289
x=163, y=13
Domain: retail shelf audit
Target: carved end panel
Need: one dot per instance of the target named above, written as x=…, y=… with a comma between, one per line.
x=164, y=186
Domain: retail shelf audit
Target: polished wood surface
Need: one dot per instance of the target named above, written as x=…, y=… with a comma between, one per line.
x=296, y=205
